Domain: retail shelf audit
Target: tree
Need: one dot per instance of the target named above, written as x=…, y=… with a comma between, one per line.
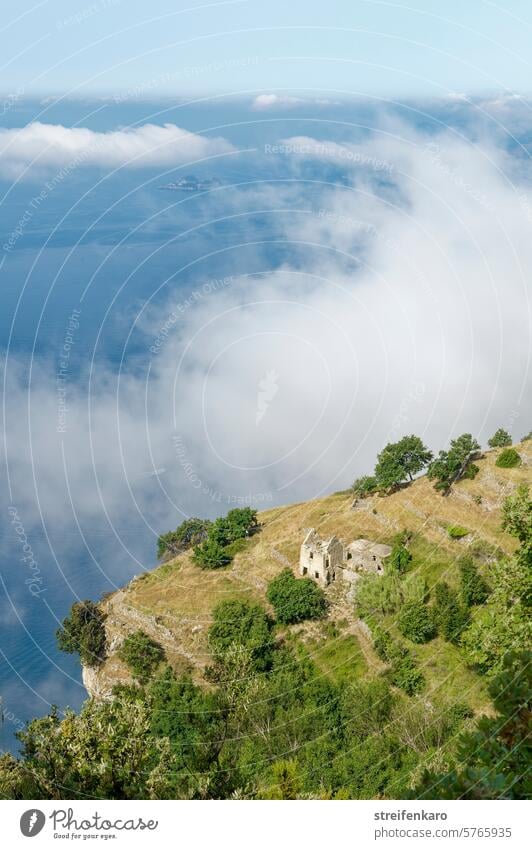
x=211, y=555
x=493, y=761
x=456, y=463
x=509, y=458
x=83, y=632
x=245, y=624
x=473, y=588
x=295, y=599
x=141, y=654
x=364, y=486
x=500, y=439
x=416, y=622
x=191, y=532
x=400, y=461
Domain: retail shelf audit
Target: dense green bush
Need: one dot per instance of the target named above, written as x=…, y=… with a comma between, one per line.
x=142, y=655
x=245, y=624
x=83, y=632
x=500, y=439
x=473, y=588
x=295, y=599
x=224, y=538
x=416, y=622
x=508, y=459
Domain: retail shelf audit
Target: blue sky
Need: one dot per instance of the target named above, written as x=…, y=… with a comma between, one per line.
x=356, y=47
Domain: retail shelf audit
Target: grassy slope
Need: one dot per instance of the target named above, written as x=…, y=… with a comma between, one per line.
x=174, y=602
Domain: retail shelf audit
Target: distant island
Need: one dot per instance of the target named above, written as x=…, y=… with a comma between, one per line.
x=191, y=184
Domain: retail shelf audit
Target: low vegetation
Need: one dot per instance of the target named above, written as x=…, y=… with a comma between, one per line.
x=508, y=459
x=457, y=531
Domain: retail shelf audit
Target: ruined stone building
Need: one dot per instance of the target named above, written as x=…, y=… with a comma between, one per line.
x=328, y=560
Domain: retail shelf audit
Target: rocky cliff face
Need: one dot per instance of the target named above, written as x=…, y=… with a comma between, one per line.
x=97, y=686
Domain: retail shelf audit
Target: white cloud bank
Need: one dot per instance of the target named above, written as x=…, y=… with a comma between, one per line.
x=53, y=146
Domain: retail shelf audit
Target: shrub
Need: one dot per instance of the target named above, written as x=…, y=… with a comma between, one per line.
x=245, y=624
x=416, y=622
x=365, y=486
x=457, y=531
x=141, y=654
x=500, y=439
x=473, y=587
x=83, y=632
x=508, y=459
x=295, y=599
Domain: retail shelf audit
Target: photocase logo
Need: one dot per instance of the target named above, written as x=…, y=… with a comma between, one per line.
x=32, y=822
x=268, y=389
